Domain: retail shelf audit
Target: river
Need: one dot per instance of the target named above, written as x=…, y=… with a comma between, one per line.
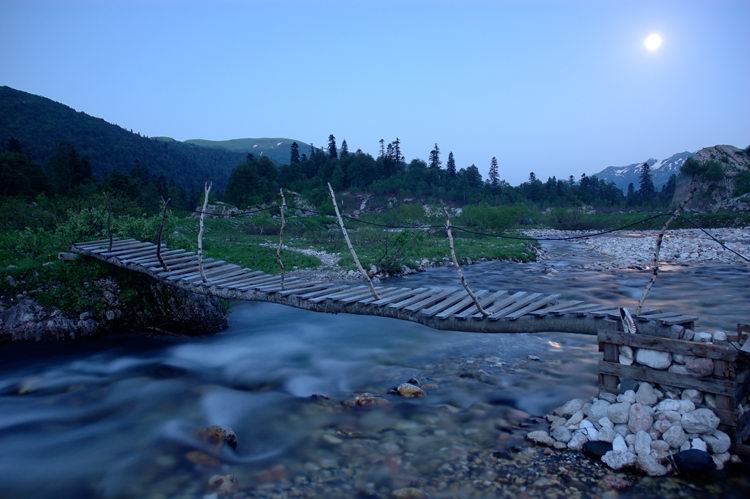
x=116, y=416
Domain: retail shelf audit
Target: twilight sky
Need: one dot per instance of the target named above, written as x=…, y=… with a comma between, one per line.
x=555, y=87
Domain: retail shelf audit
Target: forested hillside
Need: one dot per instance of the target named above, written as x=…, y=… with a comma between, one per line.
x=41, y=125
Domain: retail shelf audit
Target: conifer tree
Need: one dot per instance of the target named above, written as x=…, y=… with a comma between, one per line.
x=332, y=153
x=294, y=156
x=435, y=158
x=494, y=173
x=344, y=148
x=646, y=188
x=450, y=166
x=382, y=149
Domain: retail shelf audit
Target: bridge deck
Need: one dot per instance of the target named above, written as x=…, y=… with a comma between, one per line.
x=452, y=309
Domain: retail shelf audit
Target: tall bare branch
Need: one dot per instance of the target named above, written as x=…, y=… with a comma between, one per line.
x=206, y=192
x=282, y=209
x=351, y=248
x=460, y=272
x=164, y=205
x=659, y=239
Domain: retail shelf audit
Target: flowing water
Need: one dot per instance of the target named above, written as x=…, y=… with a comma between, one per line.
x=117, y=416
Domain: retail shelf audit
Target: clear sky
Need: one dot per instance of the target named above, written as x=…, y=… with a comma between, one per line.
x=556, y=87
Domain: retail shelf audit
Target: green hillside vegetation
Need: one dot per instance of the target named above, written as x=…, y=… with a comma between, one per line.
x=41, y=125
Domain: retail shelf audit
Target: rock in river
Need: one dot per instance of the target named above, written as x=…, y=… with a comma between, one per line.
x=694, y=461
x=409, y=390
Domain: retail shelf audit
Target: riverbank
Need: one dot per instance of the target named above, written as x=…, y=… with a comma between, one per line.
x=632, y=249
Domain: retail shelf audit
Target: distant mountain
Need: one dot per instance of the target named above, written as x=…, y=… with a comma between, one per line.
x=661, y=170
x=41, y=124
x=277, y=149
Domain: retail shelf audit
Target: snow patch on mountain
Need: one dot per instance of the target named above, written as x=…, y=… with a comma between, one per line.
x=661, y=170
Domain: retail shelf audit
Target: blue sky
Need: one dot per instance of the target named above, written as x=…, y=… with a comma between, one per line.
x=555, y=87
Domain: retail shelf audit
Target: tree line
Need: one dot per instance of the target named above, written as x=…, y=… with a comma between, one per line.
x=257, y=180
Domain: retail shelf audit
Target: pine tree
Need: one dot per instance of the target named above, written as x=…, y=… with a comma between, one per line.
x=646, y=188
x=450, y=166
x=294, y=156
x=344, y=149
x=397, y=151
x=494, y=173
x=332, y=153
x=532, y=177
x=435, y=158
x=382, y=149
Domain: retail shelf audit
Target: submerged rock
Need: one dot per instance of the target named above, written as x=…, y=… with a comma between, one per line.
x=218, y=436
x=410, y=390
x=224, y=484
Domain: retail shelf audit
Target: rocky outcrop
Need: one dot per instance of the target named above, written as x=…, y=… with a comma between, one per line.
x=716, y=188
x=132, y=306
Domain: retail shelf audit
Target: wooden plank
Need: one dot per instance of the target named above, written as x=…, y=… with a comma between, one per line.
x=718, y=387
x=414, y=299
x=694, y=348
x=501, y=304
x=430, y=300
x=662, y=315
x=649, y=311
x=561, y=305
x=504, y=312
x=97, y=242
x=313, y=286
x=682, y=319
x=328, y=289
x=130, y=248
x=241, y=282
x=340, y=294
x=178, y=274
x=360, y=295
x=532, y=306
x=223, y=272
x=103, y=244
x=613, y=313
x=195, y=277
x=175, y=266
x=449, y=300
x=463, y=304
x=398, y=296
x=273, y=288
x=263, y=280
x=611, y=353
x=244, y=274
x=168, y=256
x=580, y=309
x=385, y=293
x=485, y=302
x=147, y=250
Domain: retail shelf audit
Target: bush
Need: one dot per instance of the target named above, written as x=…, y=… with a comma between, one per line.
x=742, y=183
x=498, y=217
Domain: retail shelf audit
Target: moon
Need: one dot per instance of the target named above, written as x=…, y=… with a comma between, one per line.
x=652, y=42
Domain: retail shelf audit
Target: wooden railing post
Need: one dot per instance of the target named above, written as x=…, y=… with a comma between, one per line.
x=349, y=244
x=108, y=202
x=460, y=272
x=206, y=192
x=164, y=204
x=282, y=209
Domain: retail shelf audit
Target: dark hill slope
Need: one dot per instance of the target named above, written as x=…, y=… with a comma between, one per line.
x=40, y=124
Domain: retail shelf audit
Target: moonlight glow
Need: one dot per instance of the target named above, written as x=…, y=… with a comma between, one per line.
x=652, y=42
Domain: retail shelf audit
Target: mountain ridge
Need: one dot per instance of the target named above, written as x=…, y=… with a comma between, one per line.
x=661, y=170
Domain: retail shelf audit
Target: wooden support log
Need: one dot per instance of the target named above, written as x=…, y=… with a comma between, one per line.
x=164, y=205
x=349, y=244
x=282, y=209
x=460, y=272
x=659, y=239
x=206, y=192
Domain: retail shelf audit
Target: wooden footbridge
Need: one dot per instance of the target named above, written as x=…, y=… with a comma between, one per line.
x=506, y=311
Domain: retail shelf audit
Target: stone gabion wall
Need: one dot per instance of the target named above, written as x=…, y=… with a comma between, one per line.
x=657, y=429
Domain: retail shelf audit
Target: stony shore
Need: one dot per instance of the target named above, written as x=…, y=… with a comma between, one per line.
x=635, y=249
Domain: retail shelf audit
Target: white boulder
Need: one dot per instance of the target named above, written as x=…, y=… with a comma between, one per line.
x=653, y=358
x=700, y=421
